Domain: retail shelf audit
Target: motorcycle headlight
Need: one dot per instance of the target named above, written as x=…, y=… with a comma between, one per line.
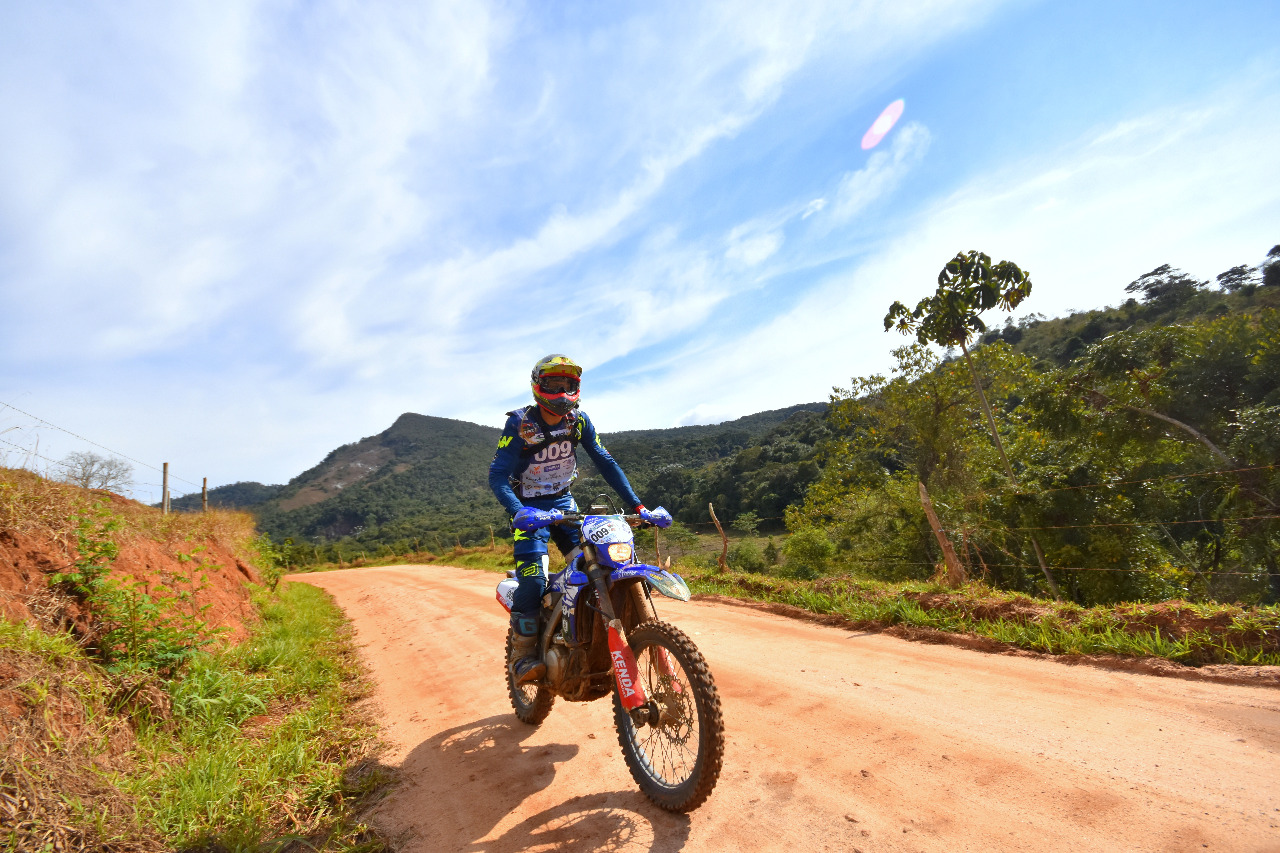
x=620, y=552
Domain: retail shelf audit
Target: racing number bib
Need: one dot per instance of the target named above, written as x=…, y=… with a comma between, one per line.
x=551, y=470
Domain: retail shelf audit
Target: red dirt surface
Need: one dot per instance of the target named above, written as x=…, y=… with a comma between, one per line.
x=212, y=574
x=837, y=740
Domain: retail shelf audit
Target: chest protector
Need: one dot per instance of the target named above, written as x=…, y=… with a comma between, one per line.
x=547, y=461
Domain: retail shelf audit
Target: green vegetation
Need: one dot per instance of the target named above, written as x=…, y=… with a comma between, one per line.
x=1144, y=466
x=139, y=731
x=1176, y=631
x=265, y=748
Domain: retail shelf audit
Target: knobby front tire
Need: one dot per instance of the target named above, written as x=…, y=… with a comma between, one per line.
x=531, y=702
x=677, y=761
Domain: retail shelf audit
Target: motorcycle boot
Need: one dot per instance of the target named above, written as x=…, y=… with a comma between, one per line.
x=525, y=664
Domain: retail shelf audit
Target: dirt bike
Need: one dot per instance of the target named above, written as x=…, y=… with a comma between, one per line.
x=600, y=636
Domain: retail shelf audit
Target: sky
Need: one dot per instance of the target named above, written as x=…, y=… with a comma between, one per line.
x=236, y=235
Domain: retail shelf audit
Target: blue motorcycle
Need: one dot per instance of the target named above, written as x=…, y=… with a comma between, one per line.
x=601, y=635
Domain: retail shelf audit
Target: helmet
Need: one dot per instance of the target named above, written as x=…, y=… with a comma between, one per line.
x=560, y=397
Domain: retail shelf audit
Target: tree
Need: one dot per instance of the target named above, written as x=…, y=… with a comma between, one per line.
x=1236, y=278
x=1271, y=268
x=1166, y=285
x=968, y=285
x=88, y=470
x=747, y=522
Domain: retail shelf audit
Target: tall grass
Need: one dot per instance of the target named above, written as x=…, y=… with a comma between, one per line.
x=265, y=742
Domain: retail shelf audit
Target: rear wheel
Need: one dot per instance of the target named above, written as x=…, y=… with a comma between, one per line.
x=532, y=702
x=675, y=757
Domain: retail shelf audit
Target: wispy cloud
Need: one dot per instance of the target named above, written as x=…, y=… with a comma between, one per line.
x=883, y=171
x=1197, y=186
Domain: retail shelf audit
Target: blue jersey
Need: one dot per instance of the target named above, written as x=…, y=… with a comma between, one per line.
x=535, y=460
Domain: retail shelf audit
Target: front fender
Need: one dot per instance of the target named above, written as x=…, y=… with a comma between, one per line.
x=668, y=583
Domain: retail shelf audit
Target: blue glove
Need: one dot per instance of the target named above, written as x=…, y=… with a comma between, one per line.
x=658, y=517
x=529, y=518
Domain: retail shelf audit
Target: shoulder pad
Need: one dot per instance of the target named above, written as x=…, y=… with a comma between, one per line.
x=526, y=427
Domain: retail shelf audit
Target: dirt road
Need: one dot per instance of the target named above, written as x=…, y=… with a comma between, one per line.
x=836, y=741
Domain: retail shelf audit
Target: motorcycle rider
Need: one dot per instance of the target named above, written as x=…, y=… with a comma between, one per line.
x=530, y=475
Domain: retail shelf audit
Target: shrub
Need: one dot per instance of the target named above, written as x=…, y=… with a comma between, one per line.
x=809, y=552
x=746, y=557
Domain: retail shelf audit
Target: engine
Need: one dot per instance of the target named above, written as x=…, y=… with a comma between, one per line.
x=557, y=659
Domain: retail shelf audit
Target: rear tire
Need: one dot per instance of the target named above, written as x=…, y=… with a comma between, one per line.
x=532, y=702
x=677, y=762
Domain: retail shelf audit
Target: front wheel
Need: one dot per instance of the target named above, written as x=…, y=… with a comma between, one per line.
x=675, y=757
x=531, y=701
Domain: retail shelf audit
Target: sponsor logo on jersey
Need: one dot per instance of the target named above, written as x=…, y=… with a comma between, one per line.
x=529, y=433
x=504, y=441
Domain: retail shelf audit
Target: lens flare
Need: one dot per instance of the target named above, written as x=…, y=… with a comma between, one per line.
x=882, y=125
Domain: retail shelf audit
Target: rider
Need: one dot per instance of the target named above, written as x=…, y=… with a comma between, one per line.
x=530, y=475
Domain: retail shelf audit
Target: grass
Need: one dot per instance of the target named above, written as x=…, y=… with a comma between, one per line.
x=267, y=745
x=248, y=748
x=1176, y=631
x=253, y=747
x=32, y=504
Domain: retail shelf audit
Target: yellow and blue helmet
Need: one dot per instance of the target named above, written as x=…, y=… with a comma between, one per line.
x=557, y=383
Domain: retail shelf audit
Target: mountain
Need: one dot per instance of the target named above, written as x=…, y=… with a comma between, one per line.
x=422, y=478
x=423, y=482
x=246, y=495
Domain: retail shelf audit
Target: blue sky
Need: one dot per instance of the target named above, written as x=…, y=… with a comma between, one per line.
x=236, y=235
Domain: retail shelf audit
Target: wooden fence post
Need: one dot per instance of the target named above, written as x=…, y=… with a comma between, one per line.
x=955, y=572
x=723, y=559
x=164, y=491
x=204, y=496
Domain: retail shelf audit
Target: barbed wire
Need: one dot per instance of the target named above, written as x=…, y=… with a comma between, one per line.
x=29, y=452
x=94, y=443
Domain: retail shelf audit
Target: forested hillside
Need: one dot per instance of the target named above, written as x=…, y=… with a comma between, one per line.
x=423, y=483
x=1143, y=441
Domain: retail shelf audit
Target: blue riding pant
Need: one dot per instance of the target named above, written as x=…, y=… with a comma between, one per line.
x=532, y=561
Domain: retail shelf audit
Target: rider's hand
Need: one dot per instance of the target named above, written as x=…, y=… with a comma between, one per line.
x=530, y=518
x=658, y=517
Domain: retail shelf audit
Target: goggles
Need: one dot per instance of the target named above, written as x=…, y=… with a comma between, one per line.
x=558, y=384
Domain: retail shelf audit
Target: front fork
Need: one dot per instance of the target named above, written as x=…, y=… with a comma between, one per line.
x=626, y=671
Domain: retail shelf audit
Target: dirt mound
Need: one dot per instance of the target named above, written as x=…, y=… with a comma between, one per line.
x=211, y=582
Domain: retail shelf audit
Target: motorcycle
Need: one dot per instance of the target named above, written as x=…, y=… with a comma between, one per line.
x=600, y=636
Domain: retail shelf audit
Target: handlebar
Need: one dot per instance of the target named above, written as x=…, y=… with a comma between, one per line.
x=578, y=517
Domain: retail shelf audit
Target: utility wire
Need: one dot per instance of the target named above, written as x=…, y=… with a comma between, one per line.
x=62, y=464
x=94, y=443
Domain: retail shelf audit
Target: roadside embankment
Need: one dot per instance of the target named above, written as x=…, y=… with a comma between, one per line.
x=1213, y=642
x=157, y=692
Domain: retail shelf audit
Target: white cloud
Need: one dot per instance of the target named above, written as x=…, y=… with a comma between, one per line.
x=881, y=175
x=269, y=216
x=755, y=248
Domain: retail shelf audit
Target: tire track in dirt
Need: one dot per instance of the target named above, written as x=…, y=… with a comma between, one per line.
x=837, y=740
